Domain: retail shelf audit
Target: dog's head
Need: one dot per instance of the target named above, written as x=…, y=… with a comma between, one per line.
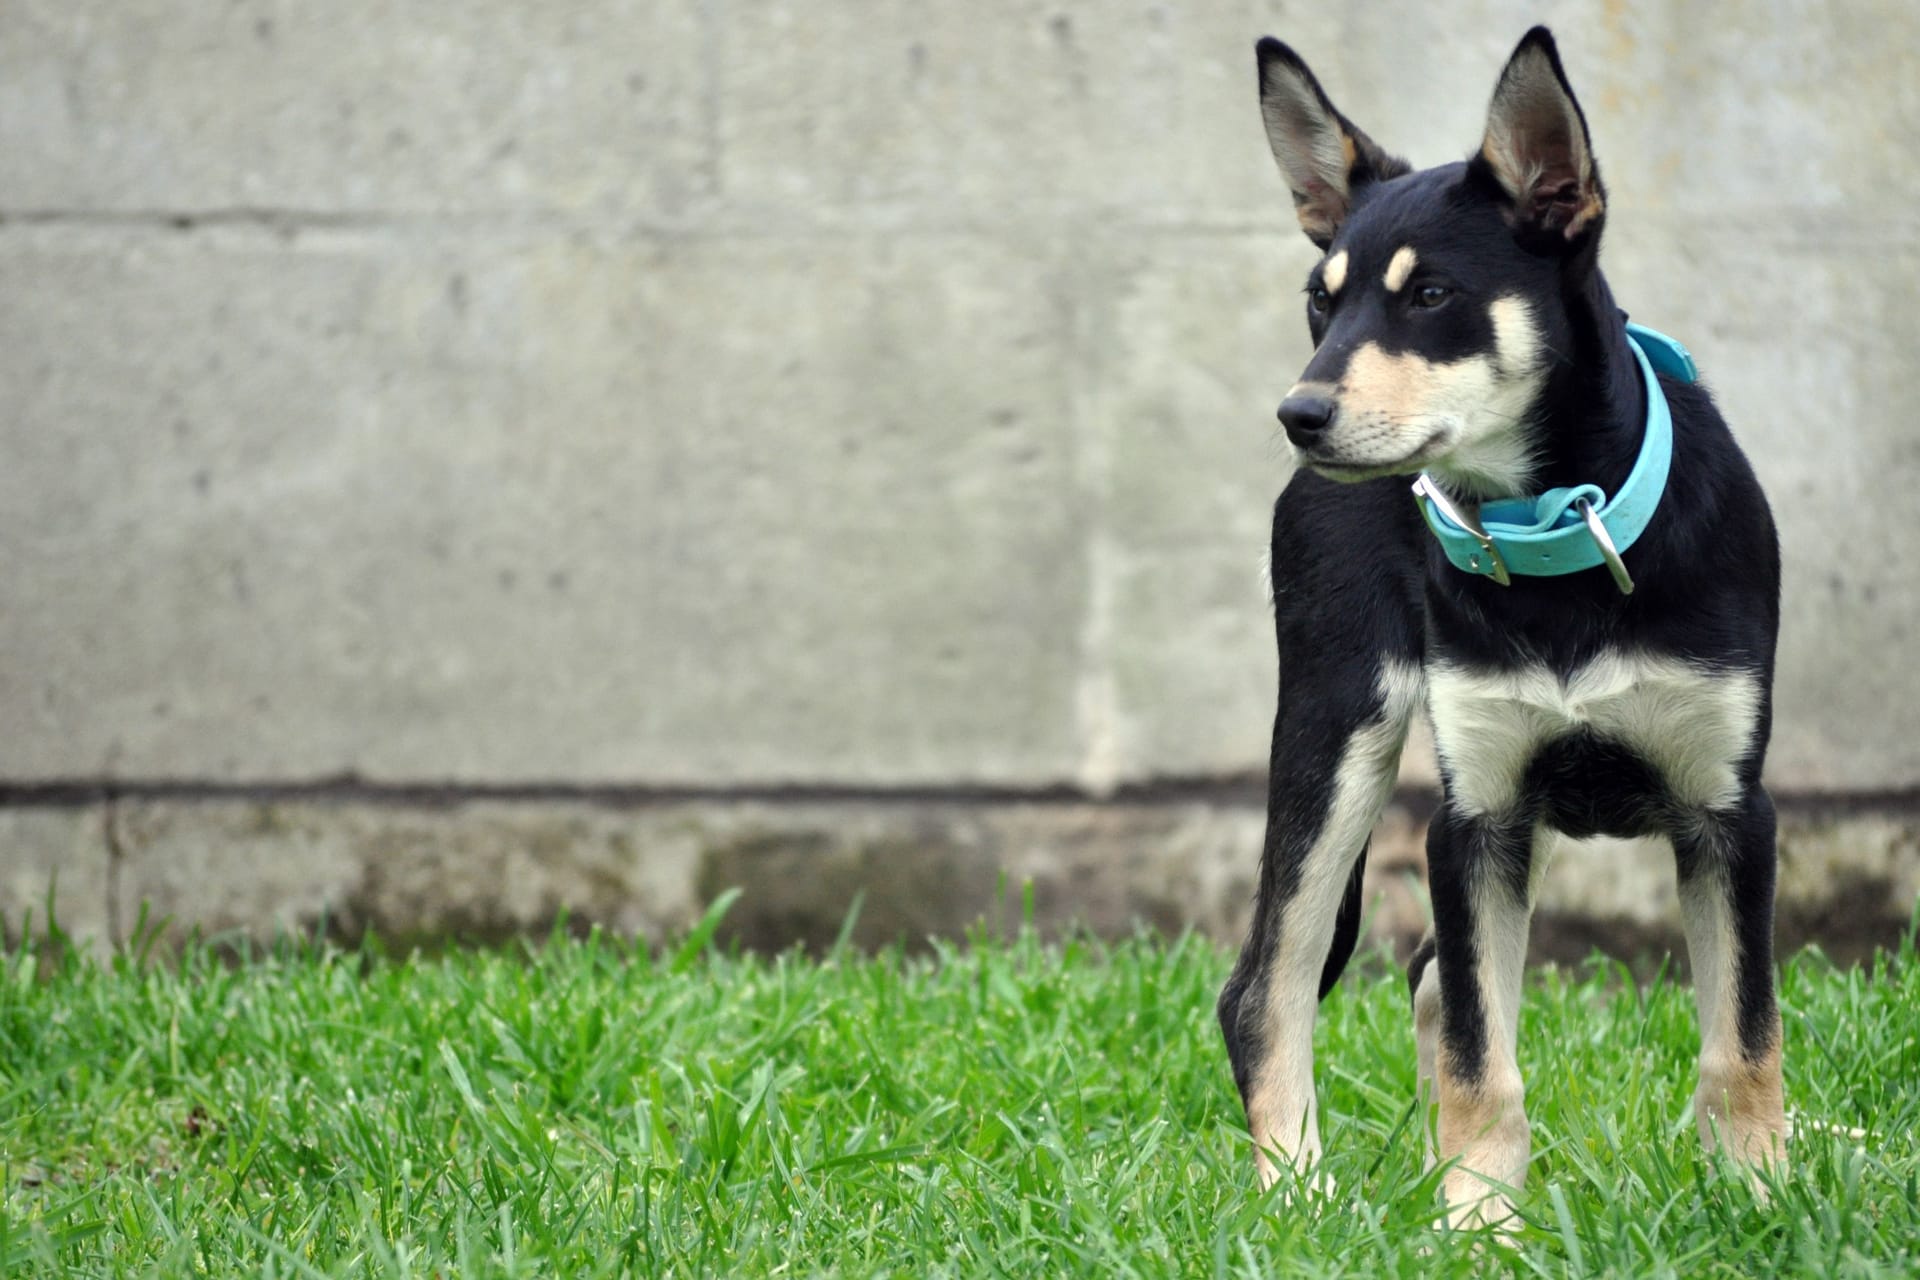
x=1443, y=294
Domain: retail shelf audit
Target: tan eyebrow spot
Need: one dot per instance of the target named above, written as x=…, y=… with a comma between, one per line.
x=1401, y=268
x=1334, y=274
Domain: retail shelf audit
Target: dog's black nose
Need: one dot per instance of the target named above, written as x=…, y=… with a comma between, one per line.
x=1306, y=418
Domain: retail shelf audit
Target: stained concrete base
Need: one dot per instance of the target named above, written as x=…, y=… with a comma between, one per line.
x=436, y=870
x=55, y=863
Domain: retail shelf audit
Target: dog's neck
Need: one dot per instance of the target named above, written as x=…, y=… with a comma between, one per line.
x=1594, y=408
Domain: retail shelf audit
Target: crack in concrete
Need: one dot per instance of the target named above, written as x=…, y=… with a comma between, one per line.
x=706, y=221
x=72, y=793
x=1241, y=789
x=712, y=217
x=711, y=36
x=276, y=219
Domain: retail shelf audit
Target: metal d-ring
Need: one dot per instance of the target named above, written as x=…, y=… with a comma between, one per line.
x=1597, y=530
x=1427, y=493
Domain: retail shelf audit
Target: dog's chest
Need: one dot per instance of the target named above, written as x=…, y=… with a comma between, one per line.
x=1692, y=726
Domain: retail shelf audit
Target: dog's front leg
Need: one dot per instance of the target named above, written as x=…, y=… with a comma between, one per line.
x=1335, y=759
x=1478, y=871
x=1725, y=860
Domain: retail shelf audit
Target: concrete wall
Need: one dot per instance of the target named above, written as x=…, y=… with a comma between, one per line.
x=733, y=395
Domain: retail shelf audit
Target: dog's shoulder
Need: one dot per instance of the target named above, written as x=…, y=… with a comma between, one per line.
x=1348, y=558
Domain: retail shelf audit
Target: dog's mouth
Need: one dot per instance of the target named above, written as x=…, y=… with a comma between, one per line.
x=1352, y=473
x=1348, y=471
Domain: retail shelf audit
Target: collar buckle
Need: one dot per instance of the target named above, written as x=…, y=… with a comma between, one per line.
x=1431, y=497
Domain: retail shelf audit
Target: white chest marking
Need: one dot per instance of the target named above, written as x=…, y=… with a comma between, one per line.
x=1692, y=724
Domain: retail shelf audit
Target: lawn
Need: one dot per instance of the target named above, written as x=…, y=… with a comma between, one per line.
x=581, y=1107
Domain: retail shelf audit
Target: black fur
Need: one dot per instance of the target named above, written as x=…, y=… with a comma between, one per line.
x=1360, y=582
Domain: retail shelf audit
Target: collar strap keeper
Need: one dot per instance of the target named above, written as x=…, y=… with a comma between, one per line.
x=1563, y=531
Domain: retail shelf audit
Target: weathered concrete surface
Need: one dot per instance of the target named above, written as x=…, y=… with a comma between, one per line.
x=477, y=872
x=58, y=859
x=808, y=392
x=735, y=395
x=484, y=871
x=549, y=511
x=1848, y=883
x=354, y=105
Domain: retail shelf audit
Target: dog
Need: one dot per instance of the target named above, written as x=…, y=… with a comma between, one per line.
x=1582, y=591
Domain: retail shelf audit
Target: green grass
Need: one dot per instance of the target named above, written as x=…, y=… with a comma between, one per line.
x=583, y=1108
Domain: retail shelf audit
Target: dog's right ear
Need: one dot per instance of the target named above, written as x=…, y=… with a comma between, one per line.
x=1323, y=157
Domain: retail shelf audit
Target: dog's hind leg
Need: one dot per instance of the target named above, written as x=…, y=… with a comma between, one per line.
x=1423, y=983
x=1335, y=755
x=1726, y=861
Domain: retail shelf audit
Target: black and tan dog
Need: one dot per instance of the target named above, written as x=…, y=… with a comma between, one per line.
x=1464, y=333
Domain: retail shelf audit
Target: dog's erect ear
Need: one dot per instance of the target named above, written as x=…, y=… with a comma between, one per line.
x=1537, y=146
x=1322, y=156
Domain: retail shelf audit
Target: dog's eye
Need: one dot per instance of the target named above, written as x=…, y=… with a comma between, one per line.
x=1318, y=300
x=1429, y=296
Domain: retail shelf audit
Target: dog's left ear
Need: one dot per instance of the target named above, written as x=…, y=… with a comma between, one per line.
x=1537, y=148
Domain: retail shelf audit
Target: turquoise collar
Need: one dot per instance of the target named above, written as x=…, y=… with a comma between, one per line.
x=1567, y=530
